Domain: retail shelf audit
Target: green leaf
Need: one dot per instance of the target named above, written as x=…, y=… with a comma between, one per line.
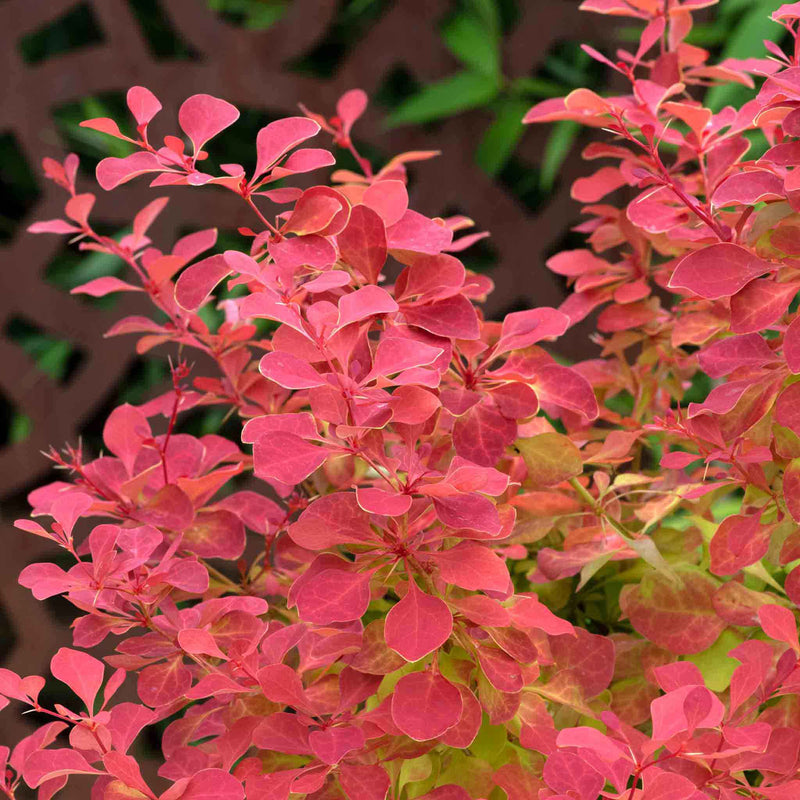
x=744, y=40
x=715, y=664
x=445, y=98
x=558, y=146
x=466, y=37
x=502, y=136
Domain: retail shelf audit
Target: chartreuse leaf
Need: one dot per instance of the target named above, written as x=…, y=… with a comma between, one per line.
x=502, y=136
x=459, y=92
x=490, y=741
x=715, y=664
x=551, y=458
x=558, y=146
x=422, y=771
x=473, y=37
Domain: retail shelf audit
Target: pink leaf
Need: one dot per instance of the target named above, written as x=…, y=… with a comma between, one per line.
x=389, y=199
x=425, y=705
x=418, y=624
x=369, y=301
x=289, y=371
x=719, y=270
x=212, y=784
x=379, y=501
x=202, y=117
x=418, y=234
x=81, y=672
x=350, y=107
x=197, y=282
x=364, y=782
x=760, y=304
x=286, y=457
x=45, y=765
x=125, y=430
x=524, y=328
x=395, y=354
x=100, y=287
x=113, y=172
x=143, y=104
x=278, y=138
x=53, y=226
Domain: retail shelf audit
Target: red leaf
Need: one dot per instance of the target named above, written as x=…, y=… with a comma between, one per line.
x=418, y=624
x=212, y=784
x=202, y=117
x=454, y=318
x=331, y=745
x=472, y=511
x=566, y=772
x=160, y=684
x=362, y=244
x=726, y=355
x=566, y=388
x=759, y=304
x=331, y=520
x=779, y=624
x=787, y=408
x=425, y=705
x=473, y=566
x=334, y=595
x=364, y=782
x=719, y=270
x=677, y=616
x=739, y=541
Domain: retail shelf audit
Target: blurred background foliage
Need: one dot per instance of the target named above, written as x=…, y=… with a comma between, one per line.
x=474, y=32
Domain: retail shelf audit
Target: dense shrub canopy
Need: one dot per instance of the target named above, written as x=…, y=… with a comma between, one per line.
x=440, y=563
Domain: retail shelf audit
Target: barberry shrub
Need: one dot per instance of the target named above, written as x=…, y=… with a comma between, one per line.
x=439, y=563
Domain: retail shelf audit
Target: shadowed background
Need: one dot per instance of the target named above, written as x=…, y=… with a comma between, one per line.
x=451, y=75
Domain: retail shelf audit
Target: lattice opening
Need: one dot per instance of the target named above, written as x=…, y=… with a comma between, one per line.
x=8, y=636
x=92, y=146
x=255, y=15
x=397, y=86
x=162, y=37
x=72, y=267
x=76, y=29
x=14, y=425
x=18, y=188
x=58, y=358
x=351, y=23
